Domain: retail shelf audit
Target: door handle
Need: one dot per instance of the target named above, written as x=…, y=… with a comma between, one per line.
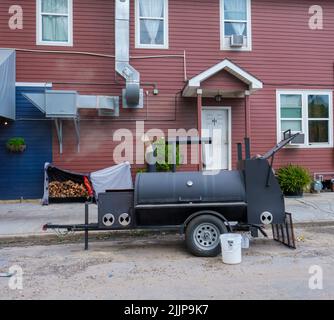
x=190, y=200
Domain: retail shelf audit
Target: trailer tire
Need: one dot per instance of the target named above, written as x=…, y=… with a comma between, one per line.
x=202, y=235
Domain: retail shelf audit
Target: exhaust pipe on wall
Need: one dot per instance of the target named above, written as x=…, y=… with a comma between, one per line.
x=132, y=94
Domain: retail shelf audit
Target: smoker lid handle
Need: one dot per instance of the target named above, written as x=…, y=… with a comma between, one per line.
x=200, y=199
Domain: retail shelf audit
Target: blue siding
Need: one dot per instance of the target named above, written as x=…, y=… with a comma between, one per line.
x=21, y=175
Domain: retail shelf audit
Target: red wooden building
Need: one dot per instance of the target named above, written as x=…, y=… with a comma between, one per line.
x=249, y=67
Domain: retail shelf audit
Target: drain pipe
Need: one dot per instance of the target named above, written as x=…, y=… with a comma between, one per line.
x=131, y=93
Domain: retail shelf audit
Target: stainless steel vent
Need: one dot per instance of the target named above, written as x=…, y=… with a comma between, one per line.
x=132, y=92
x=65, y=104
x=104, y=104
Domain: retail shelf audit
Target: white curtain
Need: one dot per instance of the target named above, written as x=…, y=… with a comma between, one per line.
x=154, y=9
x=55, y=6
x=239, y=28
x=236, y=10
x=55, y=28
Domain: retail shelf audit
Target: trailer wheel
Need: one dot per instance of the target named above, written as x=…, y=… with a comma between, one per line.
x=202, y=235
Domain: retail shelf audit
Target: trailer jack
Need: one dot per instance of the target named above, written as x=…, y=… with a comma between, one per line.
x=254, y=229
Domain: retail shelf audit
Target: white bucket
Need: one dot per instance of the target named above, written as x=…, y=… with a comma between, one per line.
x=244, y=242
x=231, y=248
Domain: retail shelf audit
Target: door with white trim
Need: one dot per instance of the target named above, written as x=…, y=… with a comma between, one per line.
x=216, y=124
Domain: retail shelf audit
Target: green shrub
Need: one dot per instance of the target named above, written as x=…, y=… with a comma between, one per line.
x=164, y=156
x=293, y=178
x=16, y=144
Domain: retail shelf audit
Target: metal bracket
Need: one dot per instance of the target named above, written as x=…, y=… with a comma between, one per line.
x=77, y=131
x=59, y=129
x=270, y=169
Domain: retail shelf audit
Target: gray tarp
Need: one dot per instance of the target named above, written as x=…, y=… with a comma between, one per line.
x=7, y=83
x=113, y=178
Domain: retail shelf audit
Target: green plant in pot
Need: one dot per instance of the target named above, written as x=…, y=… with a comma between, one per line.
x=164, y=153
x=16, y=145
x=293, y=180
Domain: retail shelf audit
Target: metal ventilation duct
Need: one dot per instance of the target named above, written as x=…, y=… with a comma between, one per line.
x=65, y=104
x=132, y=94
x=108, y=105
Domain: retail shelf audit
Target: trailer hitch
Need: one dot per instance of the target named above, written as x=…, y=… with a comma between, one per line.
x=86, y=227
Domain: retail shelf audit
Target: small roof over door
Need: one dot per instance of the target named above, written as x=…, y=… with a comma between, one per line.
x=225, y=66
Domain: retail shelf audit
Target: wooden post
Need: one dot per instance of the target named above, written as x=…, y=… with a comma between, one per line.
x=199, y=126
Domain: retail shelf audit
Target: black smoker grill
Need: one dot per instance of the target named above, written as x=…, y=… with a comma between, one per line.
x=202, y=205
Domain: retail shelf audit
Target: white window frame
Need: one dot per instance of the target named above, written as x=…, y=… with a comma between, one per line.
x=305, y=119
x=223, y=46
x=39, y=26
x=137, y=32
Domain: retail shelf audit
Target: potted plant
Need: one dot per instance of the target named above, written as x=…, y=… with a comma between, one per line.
x=16, y=145
x=293, y=180
x=164, y=155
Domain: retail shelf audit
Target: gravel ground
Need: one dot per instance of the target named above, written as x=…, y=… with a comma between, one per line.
x=158, y=267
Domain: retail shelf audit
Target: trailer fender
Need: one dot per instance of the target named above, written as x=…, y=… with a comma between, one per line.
x=203, y=212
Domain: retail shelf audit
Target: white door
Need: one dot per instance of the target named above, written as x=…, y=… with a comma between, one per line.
x=216, y=125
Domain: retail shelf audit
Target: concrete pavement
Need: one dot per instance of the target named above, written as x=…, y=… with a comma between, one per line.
x=24, y=219
x=312, y=208
x=27, y=219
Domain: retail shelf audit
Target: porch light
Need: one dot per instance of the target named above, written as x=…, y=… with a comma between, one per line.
x=218, y=98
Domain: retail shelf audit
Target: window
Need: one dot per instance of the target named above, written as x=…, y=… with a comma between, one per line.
x=54, y=22
x=307, y=112
x=236, y=24
x=152, y=24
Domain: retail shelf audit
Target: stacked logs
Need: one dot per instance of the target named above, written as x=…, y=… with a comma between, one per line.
x=67, y=189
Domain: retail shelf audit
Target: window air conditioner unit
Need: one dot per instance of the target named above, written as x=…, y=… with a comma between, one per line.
x=237, y=41
x=300, y=139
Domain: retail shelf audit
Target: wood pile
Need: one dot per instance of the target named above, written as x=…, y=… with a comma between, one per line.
x=67, y=189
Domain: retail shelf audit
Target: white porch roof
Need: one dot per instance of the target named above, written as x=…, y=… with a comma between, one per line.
x=195, y=83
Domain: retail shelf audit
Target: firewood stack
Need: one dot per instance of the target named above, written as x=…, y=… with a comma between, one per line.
x=67, y=189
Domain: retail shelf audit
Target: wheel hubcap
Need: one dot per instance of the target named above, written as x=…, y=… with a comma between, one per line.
x=206, y=236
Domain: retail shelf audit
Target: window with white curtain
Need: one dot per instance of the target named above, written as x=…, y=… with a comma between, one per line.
x=152, y=24
x=235, y=20
x=54, y=22
x=308, y=112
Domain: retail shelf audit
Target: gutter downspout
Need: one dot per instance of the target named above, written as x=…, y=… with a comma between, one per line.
x=122, y=53
x=199, y=127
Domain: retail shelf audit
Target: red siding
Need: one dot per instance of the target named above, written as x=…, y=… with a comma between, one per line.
x=286, y=54
x=225, y=81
